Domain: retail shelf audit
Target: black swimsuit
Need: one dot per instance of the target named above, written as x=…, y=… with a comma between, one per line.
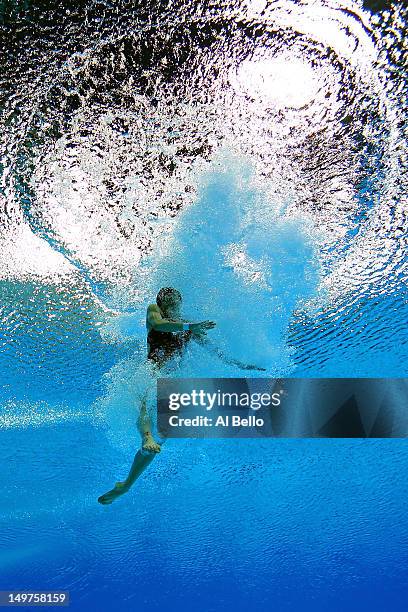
x=162, y=346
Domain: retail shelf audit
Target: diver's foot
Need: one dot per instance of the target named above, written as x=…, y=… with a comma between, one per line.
x=107, y=498
x=150, y=445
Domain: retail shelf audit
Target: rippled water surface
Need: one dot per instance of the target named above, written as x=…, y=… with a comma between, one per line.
x=253, y=154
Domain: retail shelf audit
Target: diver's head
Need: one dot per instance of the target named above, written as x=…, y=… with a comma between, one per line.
x=169, y=300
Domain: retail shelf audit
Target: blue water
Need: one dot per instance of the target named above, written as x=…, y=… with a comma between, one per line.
x=288, y=524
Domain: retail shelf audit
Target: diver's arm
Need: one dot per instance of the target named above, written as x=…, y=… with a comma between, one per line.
x=202, y=339
x=157, y=322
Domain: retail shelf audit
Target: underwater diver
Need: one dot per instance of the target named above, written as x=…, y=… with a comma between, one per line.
x=167, y=336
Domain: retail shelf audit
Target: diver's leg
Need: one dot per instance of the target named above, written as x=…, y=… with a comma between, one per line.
x=142, y=459
x=140, y=463
x=144, y=425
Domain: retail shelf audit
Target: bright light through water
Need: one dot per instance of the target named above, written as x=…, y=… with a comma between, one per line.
x=280, y=81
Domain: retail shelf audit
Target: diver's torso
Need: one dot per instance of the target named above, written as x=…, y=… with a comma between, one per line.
x=164, y=346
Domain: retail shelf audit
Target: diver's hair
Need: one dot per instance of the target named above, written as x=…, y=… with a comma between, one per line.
x=166, y=292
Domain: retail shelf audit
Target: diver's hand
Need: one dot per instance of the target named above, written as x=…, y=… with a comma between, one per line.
x=246, y=366
x=199, y=328
x=254, y=367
